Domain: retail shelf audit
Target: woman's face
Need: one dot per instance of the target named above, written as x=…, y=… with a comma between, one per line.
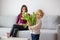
x=38, y=15
x=23, y=9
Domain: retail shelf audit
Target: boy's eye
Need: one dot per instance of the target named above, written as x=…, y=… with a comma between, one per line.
x=37, y=14
x=41, y=15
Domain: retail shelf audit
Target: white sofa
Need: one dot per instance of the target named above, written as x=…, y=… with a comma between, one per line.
x=46, y=34
x=48, y=30
x=58, y=32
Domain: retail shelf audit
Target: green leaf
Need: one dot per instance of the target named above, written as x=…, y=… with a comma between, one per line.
x=31, y=19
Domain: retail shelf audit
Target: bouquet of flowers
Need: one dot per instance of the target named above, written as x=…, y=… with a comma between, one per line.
x=31, y=19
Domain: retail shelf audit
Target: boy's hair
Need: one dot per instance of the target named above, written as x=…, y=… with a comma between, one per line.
x=41, y=12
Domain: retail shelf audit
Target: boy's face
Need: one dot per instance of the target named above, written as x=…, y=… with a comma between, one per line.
x=38, y=15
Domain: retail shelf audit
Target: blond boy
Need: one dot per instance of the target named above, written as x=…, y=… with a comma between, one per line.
x=35, y=29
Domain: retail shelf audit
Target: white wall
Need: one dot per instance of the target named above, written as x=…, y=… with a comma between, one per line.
x=0, y=6
x=12, y=7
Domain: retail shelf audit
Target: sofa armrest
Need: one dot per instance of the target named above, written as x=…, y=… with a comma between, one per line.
x=58, y=32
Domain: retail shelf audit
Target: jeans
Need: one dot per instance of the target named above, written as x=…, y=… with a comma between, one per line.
x=16, y=28
x=35, y=36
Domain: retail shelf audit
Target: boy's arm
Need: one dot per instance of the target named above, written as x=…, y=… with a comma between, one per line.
x=38, y=25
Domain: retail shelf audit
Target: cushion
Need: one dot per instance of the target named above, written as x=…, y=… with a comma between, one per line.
x=7, y=21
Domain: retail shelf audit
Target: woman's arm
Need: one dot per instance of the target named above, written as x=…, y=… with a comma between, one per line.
x=17, y=20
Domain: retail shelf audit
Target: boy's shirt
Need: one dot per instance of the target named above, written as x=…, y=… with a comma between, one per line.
x=36, y=28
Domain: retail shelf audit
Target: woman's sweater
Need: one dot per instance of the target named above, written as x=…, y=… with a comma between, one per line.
x=20, y=20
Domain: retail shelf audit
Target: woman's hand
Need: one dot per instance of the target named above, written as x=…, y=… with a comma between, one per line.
x=21, y=24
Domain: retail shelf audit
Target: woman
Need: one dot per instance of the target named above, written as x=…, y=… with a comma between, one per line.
x=19, y=23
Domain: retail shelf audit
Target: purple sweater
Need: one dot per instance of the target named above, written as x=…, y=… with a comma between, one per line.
x=19, y=20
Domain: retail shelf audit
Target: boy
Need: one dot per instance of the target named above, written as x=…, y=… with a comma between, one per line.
x=35, y=29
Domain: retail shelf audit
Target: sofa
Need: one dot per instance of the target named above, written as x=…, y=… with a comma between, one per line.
x=58, y=32
x=48, y=29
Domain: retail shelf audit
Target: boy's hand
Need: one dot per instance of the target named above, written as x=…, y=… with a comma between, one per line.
x=29, y=23
x=30, y=28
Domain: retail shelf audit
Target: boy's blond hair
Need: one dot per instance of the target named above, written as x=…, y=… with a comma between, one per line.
x=41, y=12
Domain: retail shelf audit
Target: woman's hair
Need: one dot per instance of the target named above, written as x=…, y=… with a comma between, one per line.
x=41, y=12
x=25, y=7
